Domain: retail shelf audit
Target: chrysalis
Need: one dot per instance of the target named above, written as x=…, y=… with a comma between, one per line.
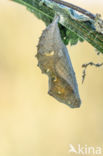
x=53, y=60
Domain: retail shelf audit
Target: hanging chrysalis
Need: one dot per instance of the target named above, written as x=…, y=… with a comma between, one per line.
x=53, y=60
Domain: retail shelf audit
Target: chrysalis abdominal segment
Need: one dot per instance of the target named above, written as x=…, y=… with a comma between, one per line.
x=54, y=60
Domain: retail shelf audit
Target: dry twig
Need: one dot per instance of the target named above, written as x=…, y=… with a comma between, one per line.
x=85, y=67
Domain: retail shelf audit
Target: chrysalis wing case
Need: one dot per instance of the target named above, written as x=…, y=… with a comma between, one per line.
x=54, y=60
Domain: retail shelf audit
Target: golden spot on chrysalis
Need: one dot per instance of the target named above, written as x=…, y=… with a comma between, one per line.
x=59, y=92
x=54, y=79
x=49, y=54
x=47, y=70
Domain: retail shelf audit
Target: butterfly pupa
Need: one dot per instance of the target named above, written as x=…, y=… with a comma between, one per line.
x=54, y=60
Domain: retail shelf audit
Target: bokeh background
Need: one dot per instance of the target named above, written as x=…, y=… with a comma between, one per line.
x=32, y=122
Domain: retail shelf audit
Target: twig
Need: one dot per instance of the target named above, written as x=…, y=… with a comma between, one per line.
x=85, y=67
x=98, y=22
x=83, y=11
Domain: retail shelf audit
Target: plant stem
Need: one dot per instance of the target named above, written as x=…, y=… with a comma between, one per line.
x=83, y=29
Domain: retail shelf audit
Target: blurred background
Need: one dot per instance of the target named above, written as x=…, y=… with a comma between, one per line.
x=32, y=122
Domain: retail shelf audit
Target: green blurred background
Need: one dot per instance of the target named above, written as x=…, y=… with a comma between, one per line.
x=32, y=122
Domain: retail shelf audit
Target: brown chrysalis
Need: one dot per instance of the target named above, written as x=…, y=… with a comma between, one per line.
x=54, y=60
